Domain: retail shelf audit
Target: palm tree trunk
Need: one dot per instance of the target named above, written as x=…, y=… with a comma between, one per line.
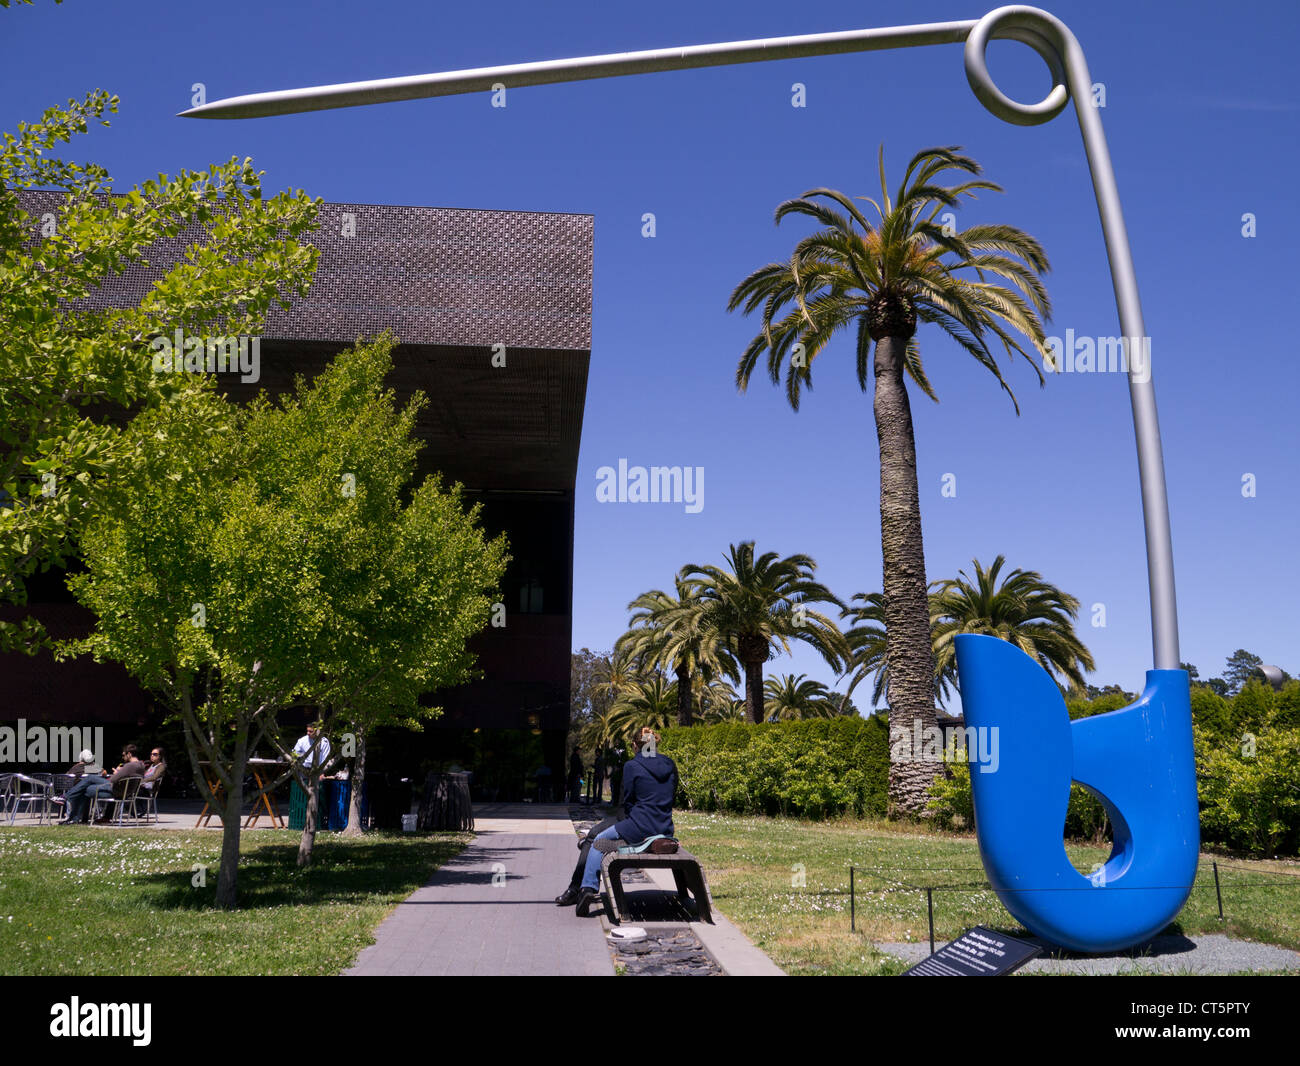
x=754, y=690
x=684, y=715
x=907, y=610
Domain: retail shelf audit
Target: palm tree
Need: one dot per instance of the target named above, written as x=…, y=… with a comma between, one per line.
x=1024, y=610
x=602, y=732
x=761, y=602
x=665, y=632
x=868, y=645
x=652, y=702
x=719, y=702
x=883, y=279
x=792, y=697
x=622, y=674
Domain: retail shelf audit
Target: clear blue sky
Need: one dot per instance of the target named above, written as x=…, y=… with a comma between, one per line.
x=1201, y=117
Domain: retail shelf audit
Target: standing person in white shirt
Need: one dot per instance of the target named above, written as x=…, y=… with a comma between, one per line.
x=316, y=760
x=303, y=749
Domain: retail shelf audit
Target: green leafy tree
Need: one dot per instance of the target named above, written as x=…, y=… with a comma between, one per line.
x=280, y=569
x=203, y=592
x=759, y=602
x=881, y=280
x=403, y=584
x=70, y=375
x=587, y=670
x=1242, y=666
x=1212, y=714
x=1250, y=786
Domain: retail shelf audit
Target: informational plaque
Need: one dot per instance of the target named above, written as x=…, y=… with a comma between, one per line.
x=978, y=952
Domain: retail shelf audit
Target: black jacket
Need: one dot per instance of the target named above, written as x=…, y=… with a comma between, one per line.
x=649, y=785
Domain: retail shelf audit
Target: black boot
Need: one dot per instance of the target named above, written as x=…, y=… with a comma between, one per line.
x=584, y=901
x=569, y=897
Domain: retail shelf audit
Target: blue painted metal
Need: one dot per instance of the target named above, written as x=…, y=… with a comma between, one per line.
x=1136, y=760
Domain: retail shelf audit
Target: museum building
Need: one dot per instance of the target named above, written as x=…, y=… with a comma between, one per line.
x=492, y=312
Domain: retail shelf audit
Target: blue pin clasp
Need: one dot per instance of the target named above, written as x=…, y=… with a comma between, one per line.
x=1137, y=761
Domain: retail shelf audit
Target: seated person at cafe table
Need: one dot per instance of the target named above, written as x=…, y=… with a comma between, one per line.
x=94, y=785
x=154, y=770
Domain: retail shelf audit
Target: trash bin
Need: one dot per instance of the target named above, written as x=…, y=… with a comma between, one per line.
x=298, y=806
x=332, y=799
x=336, y=797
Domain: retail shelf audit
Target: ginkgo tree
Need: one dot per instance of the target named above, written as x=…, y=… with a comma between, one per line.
x=406, y=577
x=72, y=372
x=241, y=561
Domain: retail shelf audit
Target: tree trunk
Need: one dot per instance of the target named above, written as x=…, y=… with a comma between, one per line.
x=909, y=648
x=754, y=690
x=684, y=715
x=358, y=781
x=233, y=811
x=308, y=839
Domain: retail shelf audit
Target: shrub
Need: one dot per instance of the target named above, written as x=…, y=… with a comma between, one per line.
x=951, y=799
x=1249, y=788
x=813, y=769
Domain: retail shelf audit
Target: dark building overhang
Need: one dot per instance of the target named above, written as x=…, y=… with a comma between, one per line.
x=451, y=284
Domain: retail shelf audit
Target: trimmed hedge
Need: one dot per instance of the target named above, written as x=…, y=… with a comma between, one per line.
x=813, y=769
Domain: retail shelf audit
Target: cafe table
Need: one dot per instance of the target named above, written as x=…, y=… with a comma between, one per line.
x=263, y=770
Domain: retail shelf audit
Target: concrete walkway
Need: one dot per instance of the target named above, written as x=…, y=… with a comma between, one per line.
x=491, y=910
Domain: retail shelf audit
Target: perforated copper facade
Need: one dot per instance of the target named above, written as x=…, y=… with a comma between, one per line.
x=450, y=284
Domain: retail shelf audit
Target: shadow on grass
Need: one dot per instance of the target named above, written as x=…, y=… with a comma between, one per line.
x=342, y=871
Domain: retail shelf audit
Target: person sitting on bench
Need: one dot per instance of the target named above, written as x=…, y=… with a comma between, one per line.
x=649, y=787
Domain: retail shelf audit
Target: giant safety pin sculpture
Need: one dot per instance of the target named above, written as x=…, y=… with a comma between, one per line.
x=1137, y=760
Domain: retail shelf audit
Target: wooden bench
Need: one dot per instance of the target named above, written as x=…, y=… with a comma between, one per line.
x=687, y=873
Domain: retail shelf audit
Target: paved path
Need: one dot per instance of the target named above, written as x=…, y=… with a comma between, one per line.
x=461, y=924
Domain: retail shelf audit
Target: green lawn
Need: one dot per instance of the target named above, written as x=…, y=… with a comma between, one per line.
x=753, y=863
x=79, y=901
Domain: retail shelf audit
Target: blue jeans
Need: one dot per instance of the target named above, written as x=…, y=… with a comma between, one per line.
x=591, y=875
x=83, y=793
